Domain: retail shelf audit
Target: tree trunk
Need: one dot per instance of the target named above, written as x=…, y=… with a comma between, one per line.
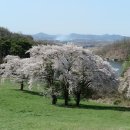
x=54, y=99
x=77, y=99
x=66, y=95
x=22, y=85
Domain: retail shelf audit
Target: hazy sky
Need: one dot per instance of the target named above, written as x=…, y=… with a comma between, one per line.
x=66, y=16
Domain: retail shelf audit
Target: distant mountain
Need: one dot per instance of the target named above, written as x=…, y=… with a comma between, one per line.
x=43, y=36
x=78, y=37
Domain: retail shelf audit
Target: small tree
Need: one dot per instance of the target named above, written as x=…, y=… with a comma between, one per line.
x=12, y=69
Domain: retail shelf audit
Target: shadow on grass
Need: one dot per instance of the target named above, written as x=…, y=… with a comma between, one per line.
x=82, y=106
x=97, y=107
x=30, y=92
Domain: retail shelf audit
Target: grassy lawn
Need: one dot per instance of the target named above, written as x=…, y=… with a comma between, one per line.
x=29, y=111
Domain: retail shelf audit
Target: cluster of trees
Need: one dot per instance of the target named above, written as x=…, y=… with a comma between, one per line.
x=14, y=44
x=67, y=70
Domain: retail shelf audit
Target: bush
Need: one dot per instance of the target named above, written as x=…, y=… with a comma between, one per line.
x=117, y=102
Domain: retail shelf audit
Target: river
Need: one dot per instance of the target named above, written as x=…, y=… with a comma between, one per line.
x=117, y=66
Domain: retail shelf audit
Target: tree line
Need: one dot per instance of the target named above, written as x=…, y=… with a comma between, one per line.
x=14, y=44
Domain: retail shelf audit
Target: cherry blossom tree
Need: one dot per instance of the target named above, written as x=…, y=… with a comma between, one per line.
x=90, y=73
x=20, y=70
x=77, y=69
x=11, y=69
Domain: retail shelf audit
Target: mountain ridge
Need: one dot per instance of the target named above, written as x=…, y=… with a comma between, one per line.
x=78, y=37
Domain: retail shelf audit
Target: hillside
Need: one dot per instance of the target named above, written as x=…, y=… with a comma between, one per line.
x=119, y=50
x=14, y=43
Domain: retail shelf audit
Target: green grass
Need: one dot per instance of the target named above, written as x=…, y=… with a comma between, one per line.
x=29, y=111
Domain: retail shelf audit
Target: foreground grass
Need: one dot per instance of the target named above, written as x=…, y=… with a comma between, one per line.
x=29, y=111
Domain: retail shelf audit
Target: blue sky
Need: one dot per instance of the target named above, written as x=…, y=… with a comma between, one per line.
x=66, y=16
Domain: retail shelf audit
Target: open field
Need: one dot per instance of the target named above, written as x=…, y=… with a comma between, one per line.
x=29, y=111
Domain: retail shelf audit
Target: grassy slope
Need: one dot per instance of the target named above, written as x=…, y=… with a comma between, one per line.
x=26, y=111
